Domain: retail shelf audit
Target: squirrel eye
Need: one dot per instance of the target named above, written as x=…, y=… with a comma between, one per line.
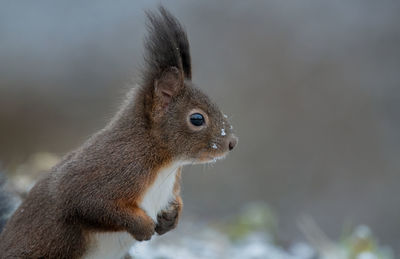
x=197, y=119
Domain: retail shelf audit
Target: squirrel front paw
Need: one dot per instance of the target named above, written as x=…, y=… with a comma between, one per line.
x=167, y=219
x=144, y=229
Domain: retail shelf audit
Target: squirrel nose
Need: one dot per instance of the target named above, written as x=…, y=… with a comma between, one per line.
x=232, y=142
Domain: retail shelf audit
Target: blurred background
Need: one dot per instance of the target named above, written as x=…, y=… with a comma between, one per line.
x=311, y=87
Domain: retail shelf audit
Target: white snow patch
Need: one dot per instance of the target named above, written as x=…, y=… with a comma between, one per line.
x=362, y=232
x=211, y=244
x=367, y=255
x=223, y=132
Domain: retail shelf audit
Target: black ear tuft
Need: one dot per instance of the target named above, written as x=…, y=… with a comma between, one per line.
x=166, y=46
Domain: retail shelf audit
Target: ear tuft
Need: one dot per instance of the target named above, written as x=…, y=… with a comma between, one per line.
x=168, y=85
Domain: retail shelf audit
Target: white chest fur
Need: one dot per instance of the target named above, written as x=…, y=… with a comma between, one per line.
x=156, y=198
x=160, y=193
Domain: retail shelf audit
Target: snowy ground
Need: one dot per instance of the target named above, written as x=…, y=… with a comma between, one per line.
x=213, y=245
x=250, y=236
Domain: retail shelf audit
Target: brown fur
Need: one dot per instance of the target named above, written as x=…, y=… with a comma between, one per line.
x=99, y=186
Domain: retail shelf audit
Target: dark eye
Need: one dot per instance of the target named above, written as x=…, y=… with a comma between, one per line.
x=197, y=119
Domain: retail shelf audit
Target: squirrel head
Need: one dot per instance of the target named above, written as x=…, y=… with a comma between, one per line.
x=185, y=118
x=182, y=119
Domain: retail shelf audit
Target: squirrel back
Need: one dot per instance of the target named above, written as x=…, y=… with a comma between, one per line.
x=123, y=184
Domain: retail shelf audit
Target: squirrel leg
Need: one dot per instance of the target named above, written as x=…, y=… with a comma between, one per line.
x=114, y=217
x=168, y=219
x=143, y=227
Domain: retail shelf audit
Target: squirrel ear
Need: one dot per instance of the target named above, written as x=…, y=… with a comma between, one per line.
x=168, y=85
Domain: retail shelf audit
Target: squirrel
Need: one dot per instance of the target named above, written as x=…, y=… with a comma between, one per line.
x=123, y=184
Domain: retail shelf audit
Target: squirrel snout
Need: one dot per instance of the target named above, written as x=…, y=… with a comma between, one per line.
x=232, y=142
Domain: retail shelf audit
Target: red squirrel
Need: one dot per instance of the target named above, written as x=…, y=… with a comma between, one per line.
x=123, y=184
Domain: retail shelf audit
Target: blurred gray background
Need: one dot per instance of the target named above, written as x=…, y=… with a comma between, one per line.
x=312, y=89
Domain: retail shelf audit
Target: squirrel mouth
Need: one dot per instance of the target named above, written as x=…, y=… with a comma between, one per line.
x=214, y=159
x=210, y=157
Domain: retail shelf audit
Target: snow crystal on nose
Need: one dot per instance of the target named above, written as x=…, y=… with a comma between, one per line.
x=223, y=132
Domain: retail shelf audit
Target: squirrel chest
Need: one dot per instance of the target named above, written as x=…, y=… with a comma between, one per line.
x=156, y=198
